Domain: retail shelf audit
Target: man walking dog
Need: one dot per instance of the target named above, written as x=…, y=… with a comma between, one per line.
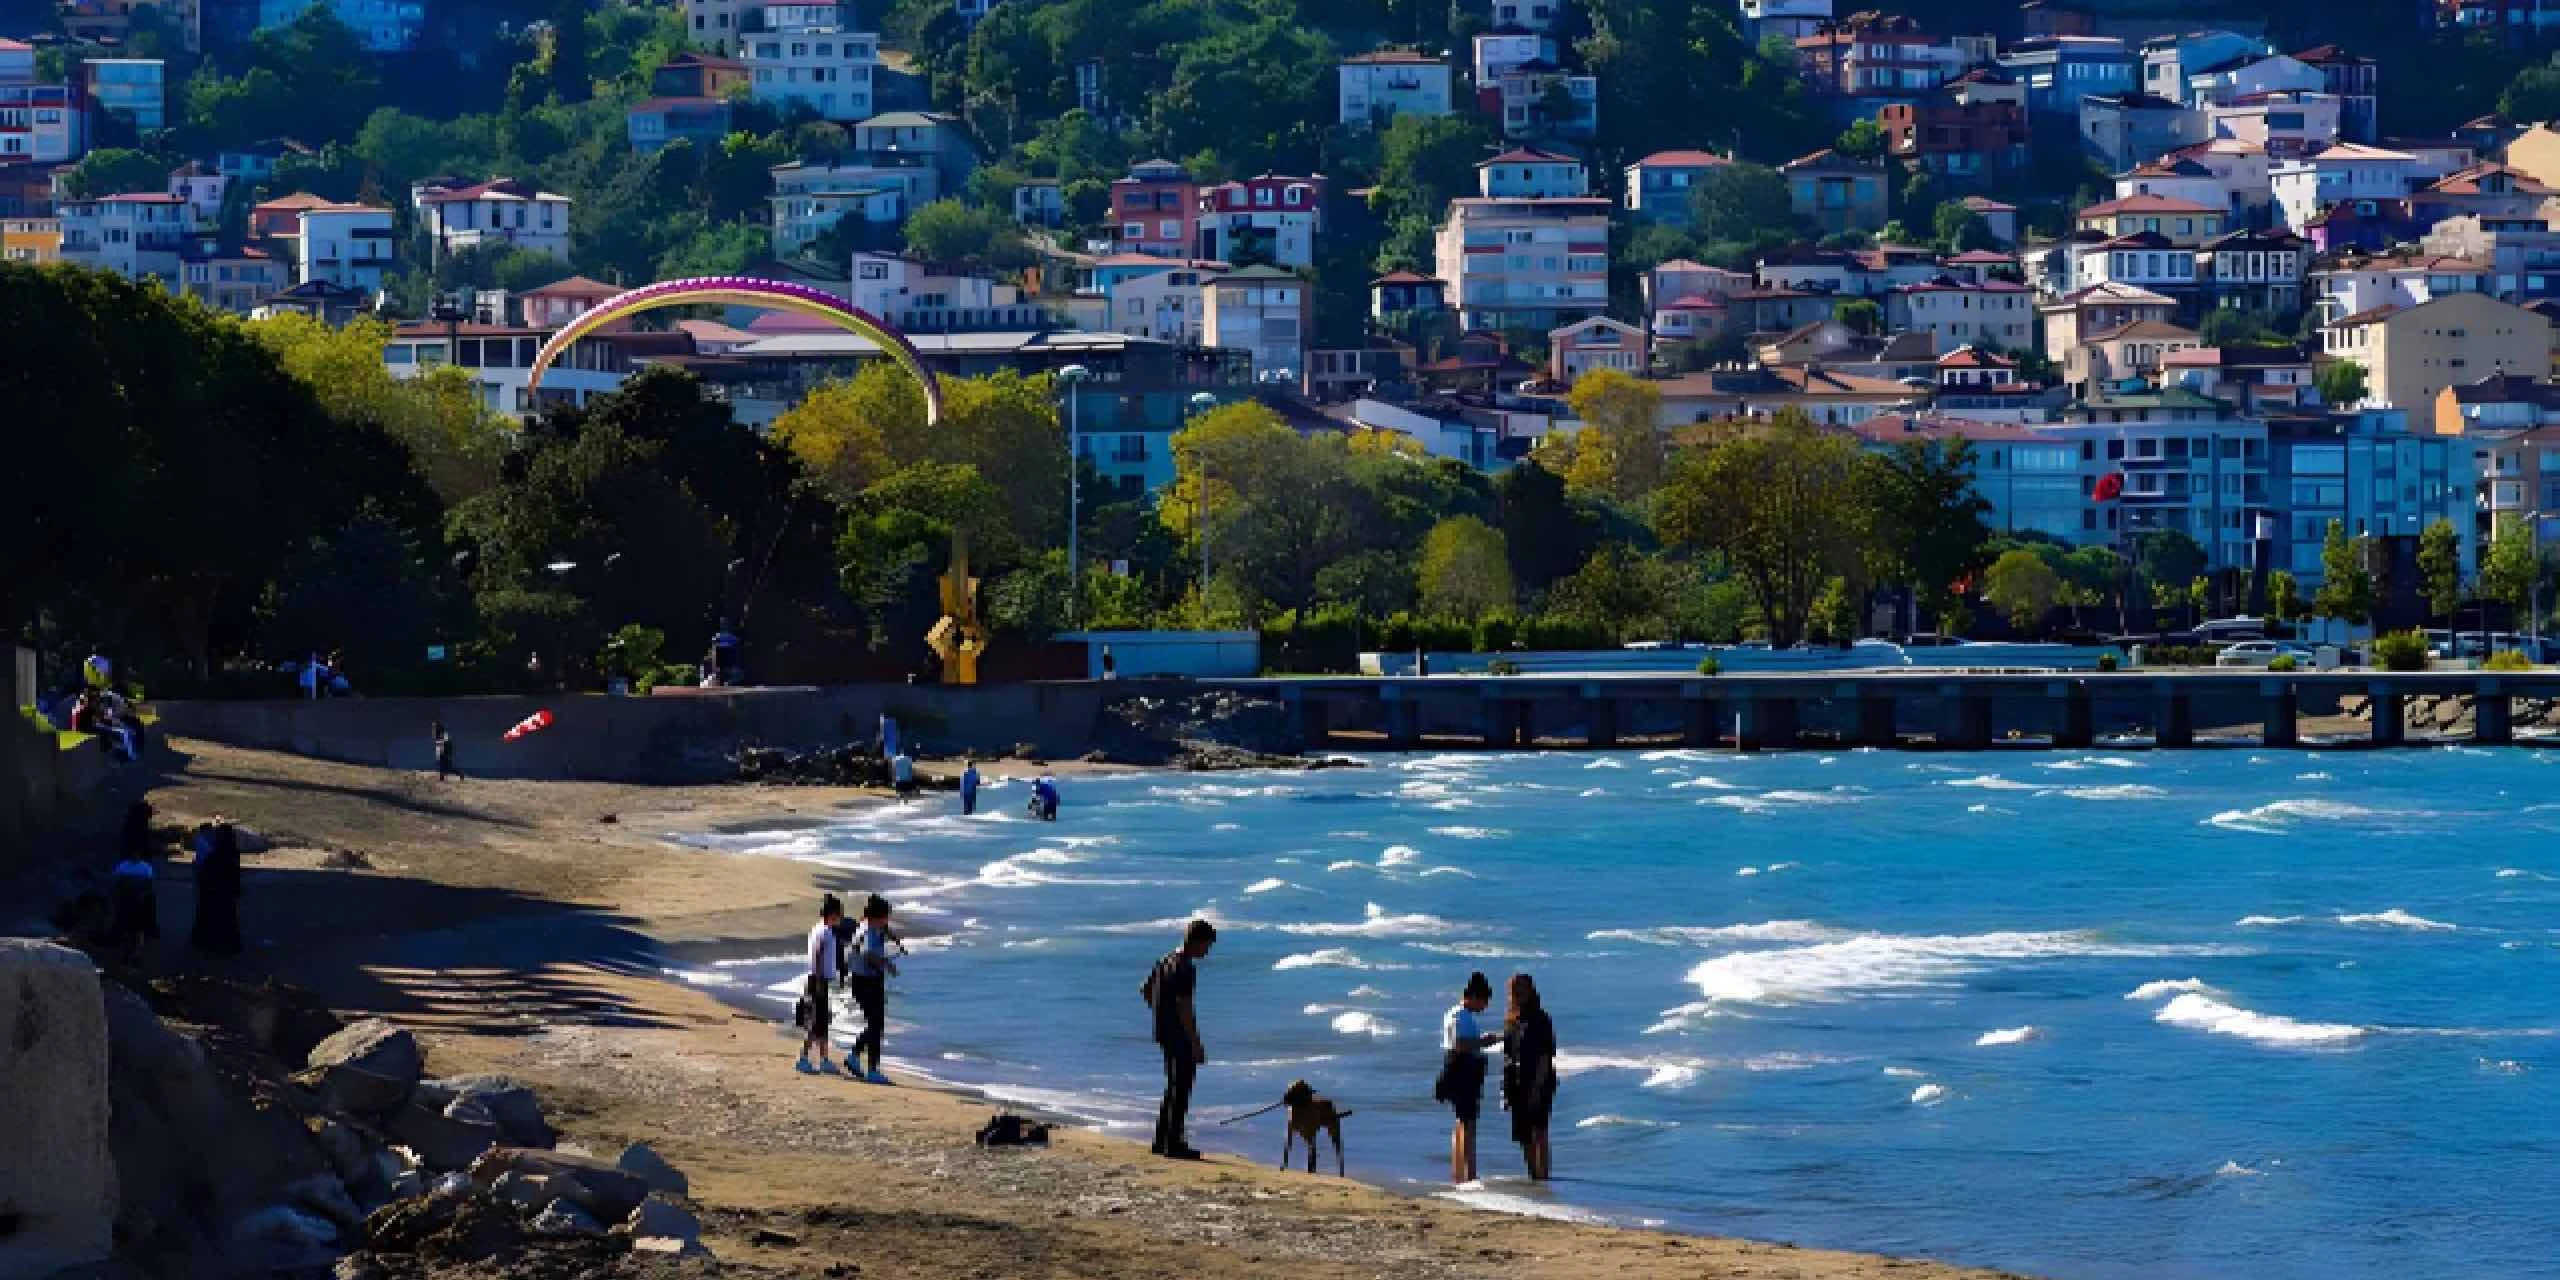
x=1168, y=991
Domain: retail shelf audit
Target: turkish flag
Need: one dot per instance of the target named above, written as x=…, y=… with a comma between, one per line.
x=535, y=723
x=2110, y=486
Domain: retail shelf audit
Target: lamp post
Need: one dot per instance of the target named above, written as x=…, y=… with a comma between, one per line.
x=1074, y=376
x=1202, y=402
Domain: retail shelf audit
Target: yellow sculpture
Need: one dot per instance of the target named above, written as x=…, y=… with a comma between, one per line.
x=959, y=637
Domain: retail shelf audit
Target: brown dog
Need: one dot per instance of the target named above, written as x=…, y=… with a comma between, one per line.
x=1310, y=1113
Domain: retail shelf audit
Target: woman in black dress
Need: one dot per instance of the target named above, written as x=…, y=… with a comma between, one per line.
x=1529, y=1073
x=217, y=926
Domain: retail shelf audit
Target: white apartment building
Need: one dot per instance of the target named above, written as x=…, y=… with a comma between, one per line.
x=1392, y=82
x=912, y=296
x=500, y=211
x=2359, y=285
x=1263, y=310
x=202, y=189
x=1527, y=173
x=1500, y=51
x=1965, y=314
x=1524, y=263
x=1273, y=213
x=499, y=359
x=2307, y=187
x=39, y=123
x=135, y=236
x=2286, y=124
x=349, y=245
x=1762, y=19
x=715, y=25
x=828, y=71
x=384, y=26
x=810, y=199
x=1170, y=305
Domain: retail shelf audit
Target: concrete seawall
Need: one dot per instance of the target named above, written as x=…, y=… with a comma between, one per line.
x=684, y=737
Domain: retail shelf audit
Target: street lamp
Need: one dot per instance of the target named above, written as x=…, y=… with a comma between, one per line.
x=1075, y=376
x=1202, y=402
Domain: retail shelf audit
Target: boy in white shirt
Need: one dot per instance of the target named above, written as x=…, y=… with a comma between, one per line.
x=1462, y=1065
x=816, y=993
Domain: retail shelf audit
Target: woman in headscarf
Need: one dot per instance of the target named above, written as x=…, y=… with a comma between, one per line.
x=218, y=888
x=1529, y=1072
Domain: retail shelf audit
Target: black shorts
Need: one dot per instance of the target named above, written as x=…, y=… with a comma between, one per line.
x=822, y=1009
x=1461, y=1085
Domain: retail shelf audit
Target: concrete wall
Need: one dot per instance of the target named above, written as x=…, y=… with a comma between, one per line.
x=677, y=736
x=1199, y=655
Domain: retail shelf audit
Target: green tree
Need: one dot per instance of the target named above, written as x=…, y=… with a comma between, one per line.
x=454, y=442
x=1276, y=507
x=2169, y=557
x=2534, y=94
x=1960, y=229
x=2341, y=383
x=1740, y=201
x=2440, y=568
x=2284, y=597
x=571, y=81
x=2346, y=586
x=1927, y=518
x=1545, y=536
x=1465, y=569
x=1861, y=314
x=115, y=171
x=2235, y=327
x=1862, y=140
x=1618, y=453
x=2509, y=572
x=947, y=231
x=1780, y=504
x=2023, y=588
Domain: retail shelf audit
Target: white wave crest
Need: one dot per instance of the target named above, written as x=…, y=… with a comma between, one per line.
x=2235, y=1169
x=2252, y=922
x=2113, y=791
x=1709, y=935
x=1711, y=784
x=1928, y=1095
x=1268, y=885
x=2005, y=1035
x=1348, y=864
x=1328, y=958
x=1363, y=1024
x=1377, y=922
x=1479, y=950
x=1397, y=855
x=1606, y=763
x=2395, y=918
x=1993, y=782
x=1366, y=992
x=1607, y=1120
x=2166, y=987
x=1470, y=833
x=2282, y=815
x=2202, y=1012
x=1885, y=963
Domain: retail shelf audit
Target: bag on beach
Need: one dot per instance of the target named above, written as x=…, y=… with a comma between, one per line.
x=1010, y=1130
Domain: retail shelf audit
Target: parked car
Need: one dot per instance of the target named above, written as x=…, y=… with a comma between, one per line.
x=2258, y=653
x=2226, y=630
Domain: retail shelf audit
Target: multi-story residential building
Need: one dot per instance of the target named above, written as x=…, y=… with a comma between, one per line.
x=1658, y=186
x=933, y=136
x=1596, y=343
x=2288, y=125
x=39, y=123
x=1542, y=100
x=1157, y=209
x=2169, y=60
x=509, y=211
x=1536, y=15
x=2411, y=353
x=1524, y=262
x=2145, y=260
x=2179, y=178
x=716, y=25
x=2356, y=82
x=2261, y=380
x=2061, y=70
x=110, y=22
x=805, y=15
x=828, y=71
x=2307, y=186
x=1836, y=193
x=130, y=87
x=499, y=359
x=1166, y=302
x=2371, y=475
x=2184, y=222
x=382, y=26
x=1961, y=145
x=1268, y=216
x=2522, y=253
x=202, y=189
x=2191, y=464
x=1874, y=54
x=281, y=218
x=921, y=297
x=2487, y=188
x=2352, y=286
x=1984, y=386
x=2252, y=76
x=2535, y=152
x=561, y=301
x=2029, y=478
x=654, y=122
x=2122, y=130
x=1828, y=396
x=1500, y=51
x=238, y=281
x=1791, y=19
x=2075, y=317
x=1386, y=83
x=1846, y=273
x=1039, y=202
x=810, y=199
x=136, y=236
x=2254, y=271
x=2362, y=226
x=1532, y=173
x=694, y=74
x=1982, y=84
x=31, y=241
x=1400, y=294
x=346, y=244
x=1963, y=314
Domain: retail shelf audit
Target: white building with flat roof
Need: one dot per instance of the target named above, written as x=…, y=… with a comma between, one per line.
x=1388, y=83
x=828, y=71
x=508, y=211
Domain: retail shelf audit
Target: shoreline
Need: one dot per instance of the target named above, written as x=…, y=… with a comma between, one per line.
x=521, y=927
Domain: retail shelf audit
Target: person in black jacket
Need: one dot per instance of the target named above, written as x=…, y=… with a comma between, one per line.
x=1168, y=990
x=1529, y=1073
x=217, y=926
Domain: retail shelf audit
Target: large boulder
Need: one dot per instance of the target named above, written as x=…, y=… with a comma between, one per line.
x=642, y=1162
x=660, y=1217
x=602, y=1190
x=507, y=1102
x=564, y=1219
x=443, y=1142
x=58, y=1182
x=368, y=1068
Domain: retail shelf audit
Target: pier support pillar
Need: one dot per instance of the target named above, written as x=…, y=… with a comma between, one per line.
x=1876, y=721
x=2174, y=725
x=1964, y=718
x=2493, y=715
x=1765, y=722
x=2074, y=725
x=1600, y=720
x=2284, y=707
x=2389, y=726
x=1307, y=721
x=1496, y=716
x=1699, y=724
x=1404, y=723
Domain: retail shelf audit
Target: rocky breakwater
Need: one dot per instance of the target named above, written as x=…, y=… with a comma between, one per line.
x=2452, y=714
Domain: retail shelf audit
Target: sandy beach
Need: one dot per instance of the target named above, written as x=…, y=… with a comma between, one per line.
x=517, y=926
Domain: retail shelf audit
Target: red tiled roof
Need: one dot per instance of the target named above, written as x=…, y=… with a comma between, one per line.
x=1405, y=277
x=2367, y=316
x=1527, y=155
x=2467, y=182
x=1683, y=159
x=1968, y=357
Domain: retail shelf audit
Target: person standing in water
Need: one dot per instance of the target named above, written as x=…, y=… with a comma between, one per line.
x=1462, y=1067
x=817, y=992
x=968, y=786
x=867, y=970
x=902, y=776
x=1168, y=991
x=1529, y=1072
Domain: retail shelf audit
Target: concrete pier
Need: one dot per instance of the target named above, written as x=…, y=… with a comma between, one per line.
x=1968, y=710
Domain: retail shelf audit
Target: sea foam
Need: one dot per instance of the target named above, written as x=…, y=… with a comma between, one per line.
x=2202, y=1012
x=2005, y=1035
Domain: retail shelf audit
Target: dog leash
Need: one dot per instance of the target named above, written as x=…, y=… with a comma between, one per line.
x=1251, y=1114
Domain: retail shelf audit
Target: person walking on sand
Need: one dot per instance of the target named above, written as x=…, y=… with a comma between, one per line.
x=1529, y=1072
x=133, y=889
x=817, y=994
x=1168, y=991
x=902, y=776
x=867, y=970
x=444, y=751
x=217, y=926
x=968, y=786
x=1462, y=1065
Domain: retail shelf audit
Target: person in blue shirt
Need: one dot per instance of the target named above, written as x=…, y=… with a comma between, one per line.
x=968, y=786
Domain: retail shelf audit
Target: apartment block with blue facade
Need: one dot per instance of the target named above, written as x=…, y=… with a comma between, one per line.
x=2370, y=473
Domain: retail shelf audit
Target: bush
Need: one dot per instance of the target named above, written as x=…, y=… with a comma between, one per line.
x=1324, y=640
x=1496, y=632
x=680, y=674
x=1549, y=632
x=2401, y=651
x=632, y=655
x=1502, y=667
x=2508, y=660
x=1708, y=666
x=2283, y=662
x=2106, y=662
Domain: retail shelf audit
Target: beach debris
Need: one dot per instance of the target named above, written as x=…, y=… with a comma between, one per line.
x=644, y=1163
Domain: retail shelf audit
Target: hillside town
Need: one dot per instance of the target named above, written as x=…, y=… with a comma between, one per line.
x=2154, y=276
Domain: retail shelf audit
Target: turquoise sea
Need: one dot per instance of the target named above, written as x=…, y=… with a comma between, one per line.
x=2219, y=1013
